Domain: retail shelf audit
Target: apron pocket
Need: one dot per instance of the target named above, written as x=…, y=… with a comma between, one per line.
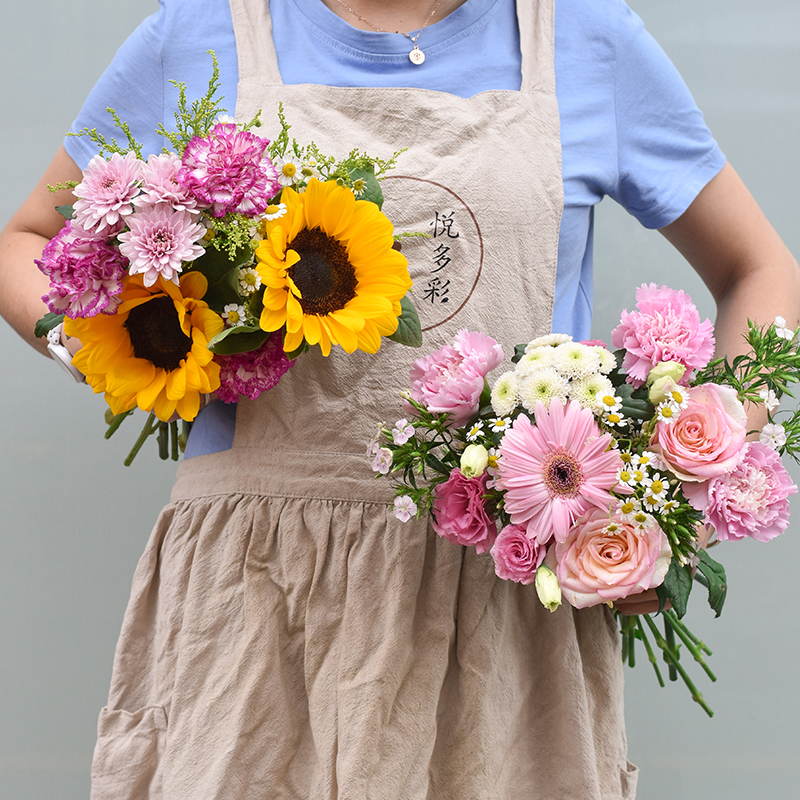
x=630, y=777
x=127, y=757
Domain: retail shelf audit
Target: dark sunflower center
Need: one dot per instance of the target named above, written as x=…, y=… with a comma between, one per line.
x=563, y=474
x=156, y=333
x=324, y=276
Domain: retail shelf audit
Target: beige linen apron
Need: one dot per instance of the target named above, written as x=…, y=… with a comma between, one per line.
x=287, y=637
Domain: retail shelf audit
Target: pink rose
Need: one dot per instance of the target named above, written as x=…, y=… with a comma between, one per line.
x=665, y=327
x=708, y=436
x=752, y=501
x=516, y=557
x=459, y=513
x=601, y=560
x=452, y=378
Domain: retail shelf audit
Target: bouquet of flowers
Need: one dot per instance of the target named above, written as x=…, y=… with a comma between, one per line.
x=212, y=266
x=596, y=475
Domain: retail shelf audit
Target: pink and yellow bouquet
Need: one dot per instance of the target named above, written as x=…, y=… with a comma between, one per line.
x=596, y=475
x=211, y=267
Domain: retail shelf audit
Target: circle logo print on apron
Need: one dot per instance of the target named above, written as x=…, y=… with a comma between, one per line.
x=446, y=266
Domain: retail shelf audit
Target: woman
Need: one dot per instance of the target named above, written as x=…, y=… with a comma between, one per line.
x=298, y=647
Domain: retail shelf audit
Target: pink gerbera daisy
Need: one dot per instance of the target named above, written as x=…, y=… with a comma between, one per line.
x=556, y=470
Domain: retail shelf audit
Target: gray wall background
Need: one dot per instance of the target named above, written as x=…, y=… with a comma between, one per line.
x=73, y=520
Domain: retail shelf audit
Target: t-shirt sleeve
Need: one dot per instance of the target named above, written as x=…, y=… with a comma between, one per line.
x=666, y=153
x=133, y=85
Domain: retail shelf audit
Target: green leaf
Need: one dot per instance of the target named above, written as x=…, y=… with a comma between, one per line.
x=409, y=330
x=635, y=403
x=47, y=323
x=677, y=586
x=222, y=274
x=66, y=211
x=241, y=339
x=714, y=573
x=372, y=187
x=519, y=351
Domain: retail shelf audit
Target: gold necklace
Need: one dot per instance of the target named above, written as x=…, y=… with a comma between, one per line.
x=416, y=56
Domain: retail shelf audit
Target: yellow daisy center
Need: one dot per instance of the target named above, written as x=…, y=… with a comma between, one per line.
x=657, y=487
x=324, y=275
x=289, y=170
x=156, y=334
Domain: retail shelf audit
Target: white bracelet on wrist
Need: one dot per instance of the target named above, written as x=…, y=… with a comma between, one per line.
x=61, y=355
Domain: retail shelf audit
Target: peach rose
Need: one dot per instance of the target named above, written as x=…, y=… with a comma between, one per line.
x=602, y=560
x=707, y=439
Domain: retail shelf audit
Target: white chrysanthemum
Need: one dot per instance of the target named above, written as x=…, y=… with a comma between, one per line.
x=249, y=280
x=590, y=391
x=534, y=359
x=505, y=394
x=607, y=359
x=550, y=340
x=575, y=360
x=543, y=386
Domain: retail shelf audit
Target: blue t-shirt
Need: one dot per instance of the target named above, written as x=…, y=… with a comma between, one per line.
x=629, y=126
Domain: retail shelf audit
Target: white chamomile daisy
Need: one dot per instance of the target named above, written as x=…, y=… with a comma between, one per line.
x=289, y=171
x=614, y=419
x=590, y=391
x=249, y=280
x=679, y=397
x=550, y=340
x=611, y=403
x=628, y=508
x=644, y=460
x=226, y=119
x=309, y=169
x=534, y=359
x=667, y=412
x=543, y=386
x=656, y=491
x=234, y=315
x=358, y=187
x=499, y=424
x=505, y=394
x=575, y=360
x=669, y=505
x=274, y=211
x=491, y=465
x=475, y=431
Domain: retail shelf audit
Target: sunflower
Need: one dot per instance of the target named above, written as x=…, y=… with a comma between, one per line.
x=153, y=352
x=330, y=272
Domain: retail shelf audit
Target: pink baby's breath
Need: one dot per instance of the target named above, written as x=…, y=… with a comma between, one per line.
x=665, y=327
x=106, y=193
x=159, y=241
x=250, y=374
x=85, y=273
x=229, y=171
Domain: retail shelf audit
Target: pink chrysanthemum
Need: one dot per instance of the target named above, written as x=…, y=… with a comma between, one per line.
x=106, y=192
x=665, y=327
x=159, y=241
x=751, y=501
x=249, y=374
x=85, y=273
x=556, y=470
x=229, y=171
x=160, y=184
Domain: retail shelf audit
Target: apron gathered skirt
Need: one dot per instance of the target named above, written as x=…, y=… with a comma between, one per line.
x=287, y=638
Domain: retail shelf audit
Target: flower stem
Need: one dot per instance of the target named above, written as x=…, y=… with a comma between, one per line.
x=651, y=656
x=683, y=632
x=150, y=427
x=163, y=441
x=116, y=422
x=173, y=434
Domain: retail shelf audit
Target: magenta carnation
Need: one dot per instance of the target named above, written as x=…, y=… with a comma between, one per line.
x=85, y=273
x=556, y=470
x=159, y=240
x=751, y=501
x=516, y=556
x=106, y=193
x=229, y=171
x=249, y=374
x=665, y=327
x=451, y=379
x=459, y=512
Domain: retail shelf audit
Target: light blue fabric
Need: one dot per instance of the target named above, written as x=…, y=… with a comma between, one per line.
x=629, y=126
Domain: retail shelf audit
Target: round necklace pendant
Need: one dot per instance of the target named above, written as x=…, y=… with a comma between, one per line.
x=416, y=56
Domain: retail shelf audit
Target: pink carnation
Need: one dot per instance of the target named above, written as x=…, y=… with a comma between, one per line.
x=516, y=556
x=707, y=438
x=601, y=560
x=459, y=513
x=229, y=171
x=85, y=273
x=250, y=374
x=451, y=379
x=106, y=193
x=751, y=501
x=666, y=327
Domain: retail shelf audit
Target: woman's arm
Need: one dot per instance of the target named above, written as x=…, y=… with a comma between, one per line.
x=748, y=270
x=23, y=239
